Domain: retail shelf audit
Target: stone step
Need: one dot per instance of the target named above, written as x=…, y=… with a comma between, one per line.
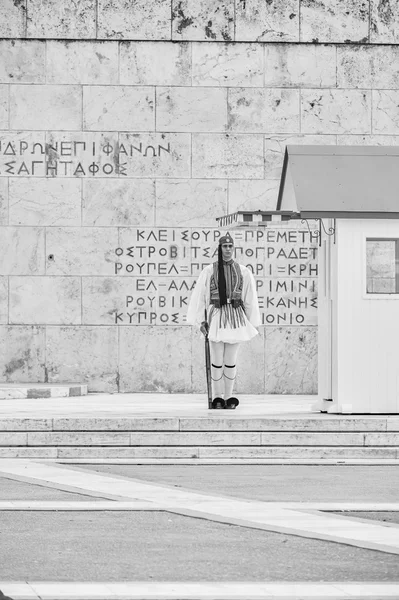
x=324, y=423
x=210, y=438
x=202, y=452
x=41, y=390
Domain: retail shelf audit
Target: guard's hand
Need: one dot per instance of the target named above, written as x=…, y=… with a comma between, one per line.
x=204, y=329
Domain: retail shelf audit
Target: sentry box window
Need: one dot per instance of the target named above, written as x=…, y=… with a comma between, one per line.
x=382, y=266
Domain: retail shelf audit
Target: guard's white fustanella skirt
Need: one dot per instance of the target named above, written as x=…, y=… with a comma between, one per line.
x=229, y=325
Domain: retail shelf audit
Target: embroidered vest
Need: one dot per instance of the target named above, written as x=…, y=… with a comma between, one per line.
x=235, y=287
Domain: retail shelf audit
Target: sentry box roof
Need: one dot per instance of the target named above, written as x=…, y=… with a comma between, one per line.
x=358, y=182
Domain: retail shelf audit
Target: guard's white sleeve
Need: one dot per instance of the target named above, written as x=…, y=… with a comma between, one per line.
x=199, y=299
x=250, y=298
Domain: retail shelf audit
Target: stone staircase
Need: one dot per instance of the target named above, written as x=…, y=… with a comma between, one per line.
x=202, y=439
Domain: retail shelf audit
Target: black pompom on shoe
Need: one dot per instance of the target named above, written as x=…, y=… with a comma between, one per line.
x=218, y=403
x=232, y=403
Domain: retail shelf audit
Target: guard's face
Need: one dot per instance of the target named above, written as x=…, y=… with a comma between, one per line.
x=227, y=251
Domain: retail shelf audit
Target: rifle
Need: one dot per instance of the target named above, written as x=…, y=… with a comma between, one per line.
x=208, y=366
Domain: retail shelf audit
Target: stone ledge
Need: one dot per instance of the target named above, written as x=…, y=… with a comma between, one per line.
x=42, y=390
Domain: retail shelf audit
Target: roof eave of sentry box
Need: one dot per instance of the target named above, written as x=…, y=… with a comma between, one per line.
x=348, y=182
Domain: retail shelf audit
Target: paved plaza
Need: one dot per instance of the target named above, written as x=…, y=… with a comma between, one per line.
x=186, y=529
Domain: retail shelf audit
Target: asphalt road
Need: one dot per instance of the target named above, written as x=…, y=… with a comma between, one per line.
x=273, y=483
x=160, y=546
x=20, y=490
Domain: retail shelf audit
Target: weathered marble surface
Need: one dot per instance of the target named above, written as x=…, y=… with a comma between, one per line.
x=336, y=111
x=155, y=154
x=227, y=64
x=203, y=20
x=385, y=111
x=105, y=297
x=45, y=300
x=270, y=21
x=45, y=107
x=18, y=151
x=83, y=354
x=22, y=251
x=82, y=62
x=263, y=110
x=60, y=19
x=81, y=251
x=119, y=19
x=22, y=61
x=219, y=156
x=334, y=21
x=118, y=108
x=275, y=148
x=251, y=366
x=366, y=67
x=252, y=194
x=190, y=203
x=191, y=109
x=12, y=18
x=44, y=201
x=155, y=63
x=384, y=22
x=3, y=299
x=118, y=203
x=22, y=354
x=4, y=106
x=291, y=360
x=368, y=140
x=155, y=359
x=293, y=65
x=3, y=202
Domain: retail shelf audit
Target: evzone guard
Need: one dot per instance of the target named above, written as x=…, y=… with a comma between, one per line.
x=226, y=293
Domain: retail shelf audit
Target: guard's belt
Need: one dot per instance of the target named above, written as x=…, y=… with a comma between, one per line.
x=235, y=302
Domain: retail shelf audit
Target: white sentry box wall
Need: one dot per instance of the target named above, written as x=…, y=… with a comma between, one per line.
x=358, y=332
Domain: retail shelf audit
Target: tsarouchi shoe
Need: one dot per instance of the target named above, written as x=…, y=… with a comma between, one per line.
x=231, y=403
x=218, y=403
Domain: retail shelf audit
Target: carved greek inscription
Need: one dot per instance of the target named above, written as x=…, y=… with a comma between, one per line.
x=165, y=263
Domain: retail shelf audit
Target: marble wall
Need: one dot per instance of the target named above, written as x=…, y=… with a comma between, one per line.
x=120, y=116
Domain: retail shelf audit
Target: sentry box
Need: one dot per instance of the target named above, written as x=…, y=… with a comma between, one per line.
x=353, y=194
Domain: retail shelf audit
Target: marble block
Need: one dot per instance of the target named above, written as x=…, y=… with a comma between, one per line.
x=82, y=154
x=82, y=62
x=118, y=108
x=251, y=366
x=385, y=111
x=45, y=300
x=384, y=22
x=12, y=19
x=3, y=299
x=218, y=156
x=275, y=146
x=118, y=203
x=291, y=360
x=227, y=64
x=45, y=107
x=155, y=359
x=191, y=109
x=22, y=354
x=252, y=194
x=22, y=153
x=22, y=61
x=81, y=251
x=368, y=140
x=4, y=107
x=293, y=65
x=86, y=354
x=44, y=201
x=365, y=67
x=131, y=301
x=155, y=63
x=155, y=154
x=3, y=202
x=203, y=20
x=334, y=21
x=263, y=110
x=190, y=203
x=141, y=20
x=270, y=21
x=22, y=251
x=55, y=19
x=336, y=111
